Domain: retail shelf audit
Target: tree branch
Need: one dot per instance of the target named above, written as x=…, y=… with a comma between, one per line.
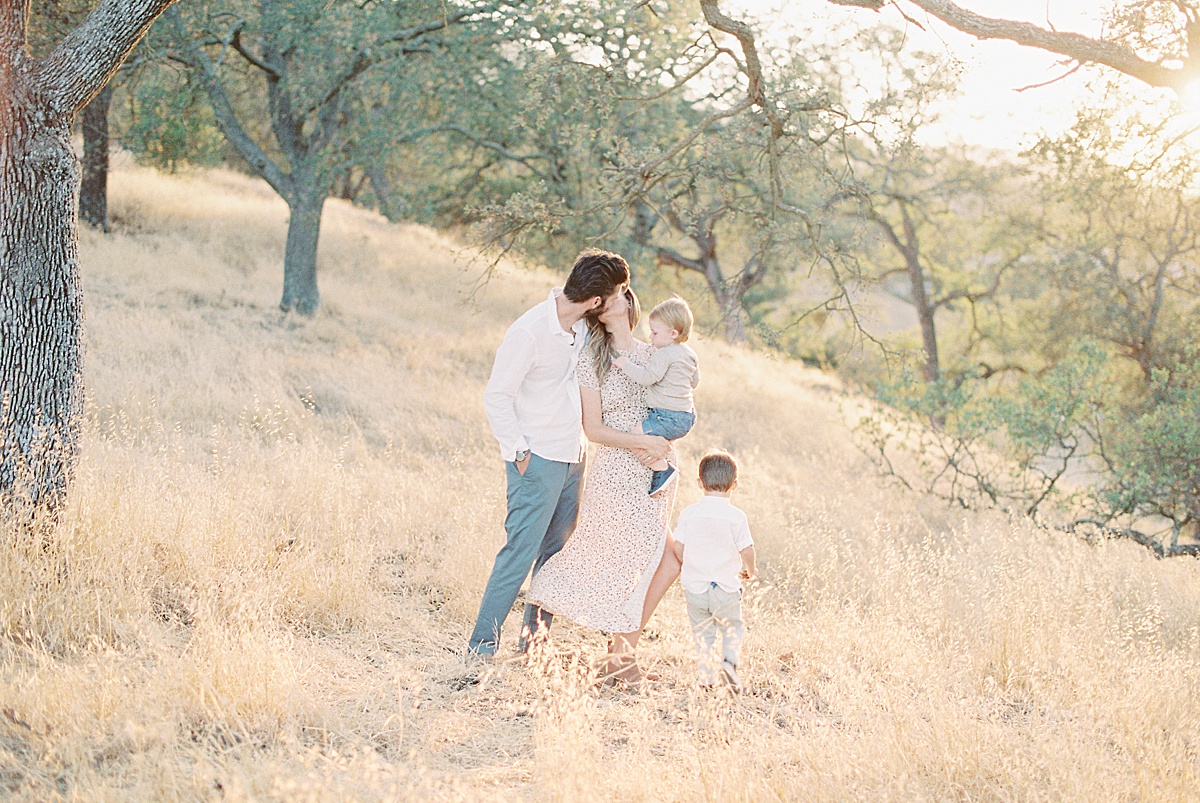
x=226, y=118
x=89, y=55
x=1155, y=546
x=668, y=257
x=752, y=66
x=1075, y=46
x=236, y=41
x=363, y=58
x=499, y=148
x=649, y=167
x=967, y=295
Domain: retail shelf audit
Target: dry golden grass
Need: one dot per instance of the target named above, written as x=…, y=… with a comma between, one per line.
x=281, y=529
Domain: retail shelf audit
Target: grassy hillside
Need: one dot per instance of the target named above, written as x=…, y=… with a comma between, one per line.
x=282, y=527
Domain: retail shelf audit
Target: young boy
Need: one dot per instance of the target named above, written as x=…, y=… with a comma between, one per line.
x=712, y=541
x=670, y=376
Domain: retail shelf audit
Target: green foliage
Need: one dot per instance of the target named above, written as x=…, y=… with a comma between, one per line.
x=1158, y=30
x=1154, y=456
x=1045, y=415
x=168, y=122
x=1079, y=386
x=1059, y=290
x=976, y=443
x=973, y=442
x=551, y=138
x=1121, y=238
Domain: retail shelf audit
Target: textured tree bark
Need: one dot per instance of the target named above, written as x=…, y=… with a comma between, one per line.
x=300, y=292
x=41, y=389
x=93, y=193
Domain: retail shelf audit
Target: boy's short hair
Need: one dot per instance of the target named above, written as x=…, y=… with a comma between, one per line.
x=675, y=313
x=596, y=273
x=718, y=471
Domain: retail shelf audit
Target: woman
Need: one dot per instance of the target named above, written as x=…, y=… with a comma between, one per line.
x=615, y=568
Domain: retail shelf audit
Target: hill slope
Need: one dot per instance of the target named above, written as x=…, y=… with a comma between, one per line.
x=282, y=527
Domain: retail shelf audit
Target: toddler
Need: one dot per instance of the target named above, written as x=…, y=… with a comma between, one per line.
x=712, y=541
x=670, y=376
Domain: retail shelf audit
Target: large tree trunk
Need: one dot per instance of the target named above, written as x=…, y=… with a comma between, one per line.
x=383, y=191
x=925, y=315
x=41, y=391
x=93, y=194
x=300, y=292
x=909, y=250
x=732, y=316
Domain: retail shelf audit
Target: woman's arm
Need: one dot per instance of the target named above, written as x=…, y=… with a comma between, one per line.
x=597, y=432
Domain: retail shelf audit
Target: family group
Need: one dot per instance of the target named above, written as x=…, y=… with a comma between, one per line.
x=601, y=548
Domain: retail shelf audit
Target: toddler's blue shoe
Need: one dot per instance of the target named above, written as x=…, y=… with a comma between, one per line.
x=661, y=479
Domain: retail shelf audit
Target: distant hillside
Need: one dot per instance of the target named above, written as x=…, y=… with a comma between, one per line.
x=282, y=528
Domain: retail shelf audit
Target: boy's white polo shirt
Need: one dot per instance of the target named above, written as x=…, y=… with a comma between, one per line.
x=713, y=533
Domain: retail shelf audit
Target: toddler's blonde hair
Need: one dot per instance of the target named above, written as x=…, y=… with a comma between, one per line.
x=676, y=314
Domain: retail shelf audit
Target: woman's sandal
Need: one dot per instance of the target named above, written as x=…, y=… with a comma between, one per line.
x=622, y=669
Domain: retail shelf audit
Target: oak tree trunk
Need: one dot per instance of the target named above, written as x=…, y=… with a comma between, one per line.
x=909, y=248
x=300, y=292
x=93, y=194
x=925, y=315
x=383, y=191
x=732, y=317
x=41, y=389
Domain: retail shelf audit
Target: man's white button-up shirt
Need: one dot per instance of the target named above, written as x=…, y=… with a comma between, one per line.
x=532, y=396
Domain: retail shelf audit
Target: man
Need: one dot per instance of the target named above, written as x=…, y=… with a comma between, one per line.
x=532, y=404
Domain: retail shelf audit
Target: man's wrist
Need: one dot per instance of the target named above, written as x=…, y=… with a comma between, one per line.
x=522, y=455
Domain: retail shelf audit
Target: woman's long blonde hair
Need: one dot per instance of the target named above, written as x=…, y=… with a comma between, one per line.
x=599, y=343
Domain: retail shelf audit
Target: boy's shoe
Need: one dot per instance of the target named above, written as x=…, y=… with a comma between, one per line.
x=730, y=676
x=662, y=479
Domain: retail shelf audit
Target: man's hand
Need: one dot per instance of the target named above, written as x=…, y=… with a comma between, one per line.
x=620, y=362
x=522, y=463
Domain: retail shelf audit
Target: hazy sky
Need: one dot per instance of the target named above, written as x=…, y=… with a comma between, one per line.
x=989, y=110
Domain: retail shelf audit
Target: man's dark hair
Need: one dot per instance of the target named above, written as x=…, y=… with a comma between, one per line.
x=595, y=273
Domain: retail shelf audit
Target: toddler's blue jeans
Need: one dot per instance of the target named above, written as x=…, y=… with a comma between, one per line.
x=670, y=424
